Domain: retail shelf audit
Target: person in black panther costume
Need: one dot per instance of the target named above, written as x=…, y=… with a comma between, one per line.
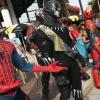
x=48, y=36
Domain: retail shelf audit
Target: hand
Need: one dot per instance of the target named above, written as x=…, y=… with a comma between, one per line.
x=50, y=68
x=56, y=68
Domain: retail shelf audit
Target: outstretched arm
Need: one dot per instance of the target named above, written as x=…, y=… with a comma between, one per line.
x=20, y=63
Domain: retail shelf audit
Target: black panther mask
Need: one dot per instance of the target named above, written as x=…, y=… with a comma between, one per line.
x=52, y=7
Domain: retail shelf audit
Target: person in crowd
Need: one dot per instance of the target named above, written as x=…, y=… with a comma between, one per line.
x=94, y=37
x=9, y=84
x=80, y=45
x=96, y=54
x=54, y=43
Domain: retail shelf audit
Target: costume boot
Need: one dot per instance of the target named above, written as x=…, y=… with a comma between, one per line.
x=45, y=84
x=65, y=93
x=64, y=87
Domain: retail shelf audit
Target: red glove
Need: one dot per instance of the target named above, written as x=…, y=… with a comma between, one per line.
x=51, y=68
x=4, y=89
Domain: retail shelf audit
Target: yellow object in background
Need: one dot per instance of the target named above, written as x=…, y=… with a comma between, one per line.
x=73, y=18
x=10, y=29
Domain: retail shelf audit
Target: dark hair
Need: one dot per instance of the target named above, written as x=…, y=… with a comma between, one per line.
x=2, y=35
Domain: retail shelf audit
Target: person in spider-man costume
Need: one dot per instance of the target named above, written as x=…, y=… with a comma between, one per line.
x=9, y=85
x=94, y=37
x=96, y=55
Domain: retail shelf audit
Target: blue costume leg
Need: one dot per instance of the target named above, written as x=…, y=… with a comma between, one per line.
x=7, y=98
x=20, y=95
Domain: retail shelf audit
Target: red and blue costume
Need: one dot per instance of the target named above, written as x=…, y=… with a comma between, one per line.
x=9, y=85
x=94, y=36
x=96, y=59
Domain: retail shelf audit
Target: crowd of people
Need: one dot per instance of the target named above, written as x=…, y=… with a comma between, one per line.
x=63, y=48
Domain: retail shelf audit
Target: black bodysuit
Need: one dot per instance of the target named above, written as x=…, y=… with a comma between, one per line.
x=48, y=54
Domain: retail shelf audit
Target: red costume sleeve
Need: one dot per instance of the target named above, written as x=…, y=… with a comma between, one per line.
x=4, y=89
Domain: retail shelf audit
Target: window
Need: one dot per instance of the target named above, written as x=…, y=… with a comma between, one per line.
x=29, y=15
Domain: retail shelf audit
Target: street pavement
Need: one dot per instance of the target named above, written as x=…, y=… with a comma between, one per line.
x=93, y=95
x=34, y=89
x=89, y=90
